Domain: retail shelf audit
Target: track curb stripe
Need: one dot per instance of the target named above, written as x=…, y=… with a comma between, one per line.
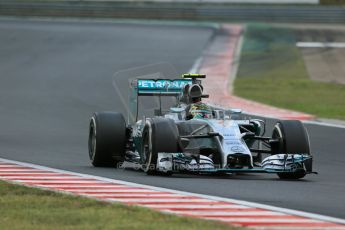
x=233, y=212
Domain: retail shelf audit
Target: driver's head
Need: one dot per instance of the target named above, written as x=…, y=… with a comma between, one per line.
x=195, y=93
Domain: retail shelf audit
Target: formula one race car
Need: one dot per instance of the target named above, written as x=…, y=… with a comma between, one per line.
x=170, y=141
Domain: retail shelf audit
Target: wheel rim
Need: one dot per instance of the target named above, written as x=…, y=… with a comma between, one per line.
x=277, y=134
x=92, y=141
x=147, y=149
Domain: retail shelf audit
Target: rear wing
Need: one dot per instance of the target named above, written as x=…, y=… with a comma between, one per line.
x=161, y=87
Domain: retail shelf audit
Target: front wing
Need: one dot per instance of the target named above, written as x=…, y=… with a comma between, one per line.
x=279, y=163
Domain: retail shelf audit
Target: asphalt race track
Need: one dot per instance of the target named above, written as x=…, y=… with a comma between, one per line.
x=54, y=75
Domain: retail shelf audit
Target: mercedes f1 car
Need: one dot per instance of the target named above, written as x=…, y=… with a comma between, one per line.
x=169, y=142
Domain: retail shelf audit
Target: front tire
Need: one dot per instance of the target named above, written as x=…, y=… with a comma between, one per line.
x=159, y=135
x=107, y=139
x=293, y=139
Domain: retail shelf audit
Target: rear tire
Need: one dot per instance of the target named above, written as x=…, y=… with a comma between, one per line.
x=107, y=139
x=293, y=139
x=159, y=135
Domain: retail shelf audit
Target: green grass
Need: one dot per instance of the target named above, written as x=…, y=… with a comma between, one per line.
x=332, y=2
x=272, y=71
x=30, y=208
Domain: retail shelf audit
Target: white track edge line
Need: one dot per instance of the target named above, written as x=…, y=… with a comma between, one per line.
x=320, y=44
x=241, y=202
x=310, y=122
x=324, y=124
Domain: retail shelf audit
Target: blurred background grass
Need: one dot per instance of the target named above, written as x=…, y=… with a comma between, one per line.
x=272, y=71
x=332, y=2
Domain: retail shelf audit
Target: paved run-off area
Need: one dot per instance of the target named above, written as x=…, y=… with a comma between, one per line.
x=324, y=64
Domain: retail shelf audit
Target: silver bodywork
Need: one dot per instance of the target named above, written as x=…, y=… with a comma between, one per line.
x=231, y=142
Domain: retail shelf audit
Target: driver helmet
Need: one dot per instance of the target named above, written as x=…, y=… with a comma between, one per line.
x=195, y=92
x=198, y=109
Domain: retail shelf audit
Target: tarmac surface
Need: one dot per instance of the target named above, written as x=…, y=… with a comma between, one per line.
x=54, y=75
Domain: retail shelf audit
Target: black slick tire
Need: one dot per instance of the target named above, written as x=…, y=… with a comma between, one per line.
x=107, y=139
x=293, y=139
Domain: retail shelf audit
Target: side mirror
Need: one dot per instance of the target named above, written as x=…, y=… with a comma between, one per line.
x=248, y=135
x=235, y=111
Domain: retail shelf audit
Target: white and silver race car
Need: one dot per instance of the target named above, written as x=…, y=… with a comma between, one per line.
x=168, y=142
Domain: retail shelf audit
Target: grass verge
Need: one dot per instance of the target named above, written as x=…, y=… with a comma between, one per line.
x=30, y=208
x=332, y=2
x=272, y=71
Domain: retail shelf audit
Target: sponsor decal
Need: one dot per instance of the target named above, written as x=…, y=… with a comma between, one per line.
x=163, y=84
x=233, y=142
